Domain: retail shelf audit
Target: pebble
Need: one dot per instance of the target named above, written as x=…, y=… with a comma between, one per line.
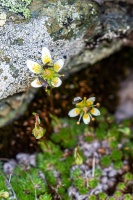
x=112, y=173
x=104, y=179
x=8, y=167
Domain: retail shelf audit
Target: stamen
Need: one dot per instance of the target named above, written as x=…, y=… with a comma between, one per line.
x=85, y=98
x=98, y=104
x=80, y=118
x=93, y=119
x=78, y=122
x=62, y=74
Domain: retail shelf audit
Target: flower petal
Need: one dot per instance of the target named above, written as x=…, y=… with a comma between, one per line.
x=86, y=118
x=56, y=82
x=76, y=100
x=95, y=111
x=90, y=101
x=46, y=56
x=74, y=112
x=58, y=65
x=36, y=83
x=34, y=66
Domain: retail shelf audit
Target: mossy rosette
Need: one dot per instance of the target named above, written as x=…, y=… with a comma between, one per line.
x=56, y=170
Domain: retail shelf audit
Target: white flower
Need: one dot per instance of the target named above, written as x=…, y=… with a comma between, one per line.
x=85, y=109
x=48, y=73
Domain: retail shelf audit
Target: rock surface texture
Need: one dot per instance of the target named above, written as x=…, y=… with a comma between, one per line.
x=80, y=32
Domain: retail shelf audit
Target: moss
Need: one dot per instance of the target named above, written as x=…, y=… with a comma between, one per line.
x=17, y=6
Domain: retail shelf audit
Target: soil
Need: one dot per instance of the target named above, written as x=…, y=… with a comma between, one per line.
x=101, y=80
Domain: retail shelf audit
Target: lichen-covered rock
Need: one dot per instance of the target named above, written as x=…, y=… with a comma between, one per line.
x=71, y=30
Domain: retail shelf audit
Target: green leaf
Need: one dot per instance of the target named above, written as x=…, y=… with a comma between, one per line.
x=128, y=177
x=121, y=186
x=105, y=161
x=128, y=197
x=116, y=155
x=93, y=182
x=92, y=197
x=118, y=164
x=102, y=196
x=124, y=129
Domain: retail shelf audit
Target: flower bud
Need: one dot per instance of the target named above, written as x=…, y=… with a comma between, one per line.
x=78, y=157
x=38, y=132
x=78, y=160
x=4, y=194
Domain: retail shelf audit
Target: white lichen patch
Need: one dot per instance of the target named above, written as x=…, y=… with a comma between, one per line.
x=13, y=55
x=69, y=18
x=2, y=18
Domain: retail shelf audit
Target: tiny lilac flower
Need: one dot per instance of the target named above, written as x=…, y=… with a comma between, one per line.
x=48, y=73
x=85, y=108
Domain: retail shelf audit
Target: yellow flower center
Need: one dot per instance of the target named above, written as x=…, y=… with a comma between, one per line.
x=46, y=59
x=56, y=67
x=77, y=111
x=85, y=116
x=92, y=110
x=55, y=81
x=36, y=68
x=89, y=103
x=48, y=73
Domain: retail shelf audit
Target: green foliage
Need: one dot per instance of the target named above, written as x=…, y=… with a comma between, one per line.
x=128, y=177
x=57, y=162
x=102, y=196
x=98, y=172
x=128, y=197
x=93, y=182
x=67, y=136
x=121, y=186
x=17, y=6
x=118, y=194
x=105, y=161
x=2, y=181
x=118, y=164
x=116, y=155
x=27, y=185
x=45, y=197
x=75, y=173
x=92, y=197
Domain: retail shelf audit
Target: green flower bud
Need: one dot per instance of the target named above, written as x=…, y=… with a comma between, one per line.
x=38, y=132
x=78, y=160
x=4, y=194
x=78, y=157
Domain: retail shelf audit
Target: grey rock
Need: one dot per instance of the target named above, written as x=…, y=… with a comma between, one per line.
x=104, y=180
x=125, y=107
x=9, y=166
x=112, y=173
